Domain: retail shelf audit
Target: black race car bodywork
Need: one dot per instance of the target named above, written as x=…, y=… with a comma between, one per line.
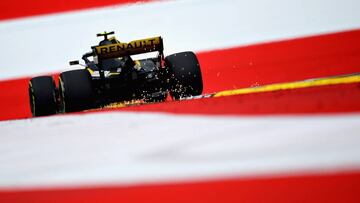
x=111, y=75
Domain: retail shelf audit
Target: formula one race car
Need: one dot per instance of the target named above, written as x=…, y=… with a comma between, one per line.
x=113, y=76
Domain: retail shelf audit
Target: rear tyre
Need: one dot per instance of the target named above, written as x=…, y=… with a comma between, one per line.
x=42, y=94
x=184, y=74
x=75, y=91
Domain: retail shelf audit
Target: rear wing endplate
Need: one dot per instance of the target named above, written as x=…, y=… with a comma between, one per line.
x=126, y=49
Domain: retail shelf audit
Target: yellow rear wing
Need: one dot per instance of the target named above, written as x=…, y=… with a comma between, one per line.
x=125, y=49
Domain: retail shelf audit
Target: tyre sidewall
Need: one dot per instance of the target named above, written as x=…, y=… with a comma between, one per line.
x=42, y=95
x=76, y=91
x=184, y=74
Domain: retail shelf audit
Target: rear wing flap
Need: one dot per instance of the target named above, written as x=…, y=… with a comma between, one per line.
x=132, y=48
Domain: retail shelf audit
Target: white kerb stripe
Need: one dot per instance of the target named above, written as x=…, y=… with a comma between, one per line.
x=133, y=148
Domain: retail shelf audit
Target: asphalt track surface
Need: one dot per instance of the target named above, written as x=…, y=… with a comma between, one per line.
x=253, y=141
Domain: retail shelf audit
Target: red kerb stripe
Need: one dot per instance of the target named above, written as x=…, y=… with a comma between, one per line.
x=25, y=8
x=325, y=99
x=282, y=61
x=337, y=187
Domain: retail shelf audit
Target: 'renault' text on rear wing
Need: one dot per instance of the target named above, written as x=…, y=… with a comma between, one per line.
x=125, y=49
